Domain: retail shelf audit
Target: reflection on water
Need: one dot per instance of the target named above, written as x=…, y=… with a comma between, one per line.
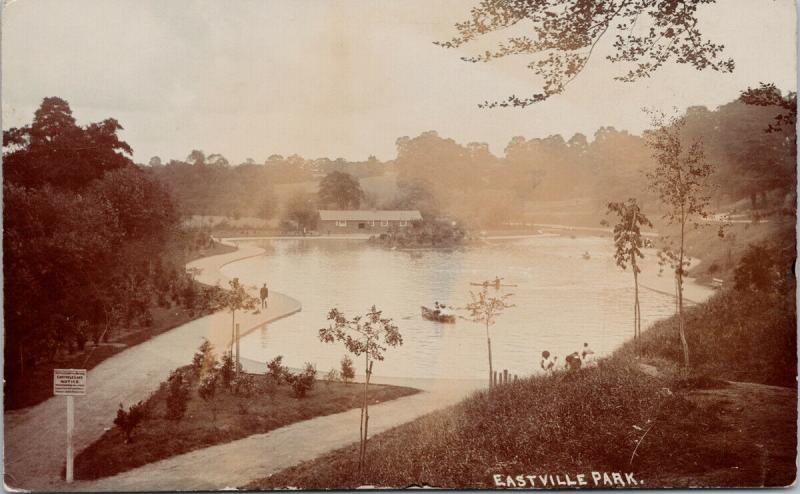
x=561, y=301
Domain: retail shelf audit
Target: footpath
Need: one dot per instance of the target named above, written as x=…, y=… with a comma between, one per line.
x=35, y=437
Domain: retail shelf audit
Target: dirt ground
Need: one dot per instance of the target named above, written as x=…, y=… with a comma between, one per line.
x=754, y=444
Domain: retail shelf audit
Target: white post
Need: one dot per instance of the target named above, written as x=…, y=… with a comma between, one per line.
x=70, y=430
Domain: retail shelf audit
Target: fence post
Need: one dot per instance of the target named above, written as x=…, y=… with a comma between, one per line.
x=494, y=379
x=505, y=376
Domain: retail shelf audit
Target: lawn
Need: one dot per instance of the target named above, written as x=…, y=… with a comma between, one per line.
x=268, y=408
x=613, y=418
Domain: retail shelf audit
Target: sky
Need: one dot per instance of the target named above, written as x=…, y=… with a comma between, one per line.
x=336, y=78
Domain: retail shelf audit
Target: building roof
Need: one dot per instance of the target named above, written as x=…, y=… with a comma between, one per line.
x=370, y=215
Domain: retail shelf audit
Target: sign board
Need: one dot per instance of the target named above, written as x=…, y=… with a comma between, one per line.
x=69, y=382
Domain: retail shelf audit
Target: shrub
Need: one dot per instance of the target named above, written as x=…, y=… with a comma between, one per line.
x=204, y=360
x=348, y=373
x=178, y=396
x=279, y=373
x=269, y=387
x=227, y=371
x=303, y=381
x=331, y=376
x=127, y=421
x=243, y=384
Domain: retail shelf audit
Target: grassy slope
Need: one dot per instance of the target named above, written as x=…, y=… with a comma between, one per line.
x=237, y=417
x=573, y=424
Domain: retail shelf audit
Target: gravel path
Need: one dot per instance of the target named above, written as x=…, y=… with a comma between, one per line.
x=239, y=462
x=35, y=437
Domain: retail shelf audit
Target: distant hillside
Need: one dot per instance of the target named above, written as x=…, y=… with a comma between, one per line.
x=550, y=179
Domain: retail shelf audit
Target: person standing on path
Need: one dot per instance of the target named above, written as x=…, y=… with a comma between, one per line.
x=264, y=296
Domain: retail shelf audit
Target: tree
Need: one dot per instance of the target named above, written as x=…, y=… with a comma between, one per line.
x=204, y=361
x=369, y=334
x=347, y=371
x=680, y=178
x=770, y=95
x=128, y=420
x=276, y=370
x=227, y=370
x=177, y=396
x=300, y=210
x=303, y=381
x=767, y=268
x=564, y=33
x=196, y=157
x=486, y=308
x=55, y=150
x=628, y=244
x=233, y=300
x=341, y=190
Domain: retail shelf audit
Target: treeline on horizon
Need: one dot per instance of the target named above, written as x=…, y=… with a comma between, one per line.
x=755, y=170
x=92, y=242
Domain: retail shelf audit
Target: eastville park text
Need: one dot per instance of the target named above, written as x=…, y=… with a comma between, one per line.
x=593, y=479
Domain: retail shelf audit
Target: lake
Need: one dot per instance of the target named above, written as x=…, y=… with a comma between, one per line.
x=561, y=301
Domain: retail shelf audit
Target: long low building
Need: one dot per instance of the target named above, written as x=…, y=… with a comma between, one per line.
x=364, y=221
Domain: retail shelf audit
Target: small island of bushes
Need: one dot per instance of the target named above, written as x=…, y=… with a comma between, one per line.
x=422, y=234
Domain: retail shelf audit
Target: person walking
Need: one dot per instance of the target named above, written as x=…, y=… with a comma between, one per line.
x=264, y=296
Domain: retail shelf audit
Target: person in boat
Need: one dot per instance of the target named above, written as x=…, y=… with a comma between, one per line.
x=573, y=361
x=548, y=364
x=437, y=309
x=587, y=355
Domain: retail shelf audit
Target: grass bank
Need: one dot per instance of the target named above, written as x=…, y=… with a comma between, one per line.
x=267, y=408
x=662, y=427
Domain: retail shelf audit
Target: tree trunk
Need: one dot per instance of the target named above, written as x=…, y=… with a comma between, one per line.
x=366, y=418
x=681, y=323
x=489, y=346
x=361, y=435
x=636, y=315
x=233, y=329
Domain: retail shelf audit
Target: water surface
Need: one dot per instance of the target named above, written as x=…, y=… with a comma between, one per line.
x=561, y=301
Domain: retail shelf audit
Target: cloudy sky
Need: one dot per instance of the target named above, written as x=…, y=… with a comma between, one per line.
x=334, y=78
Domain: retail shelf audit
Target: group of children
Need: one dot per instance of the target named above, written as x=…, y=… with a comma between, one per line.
x=573, y=361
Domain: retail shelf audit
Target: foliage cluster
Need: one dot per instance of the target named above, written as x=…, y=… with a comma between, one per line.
x=561, y=35
x=252, y=405
x=128, y=420
x=747, y=333
x=426, y=233
x=91, y=241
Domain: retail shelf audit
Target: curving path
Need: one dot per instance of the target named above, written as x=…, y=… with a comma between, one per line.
x=35, y=437
x=237, y=463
